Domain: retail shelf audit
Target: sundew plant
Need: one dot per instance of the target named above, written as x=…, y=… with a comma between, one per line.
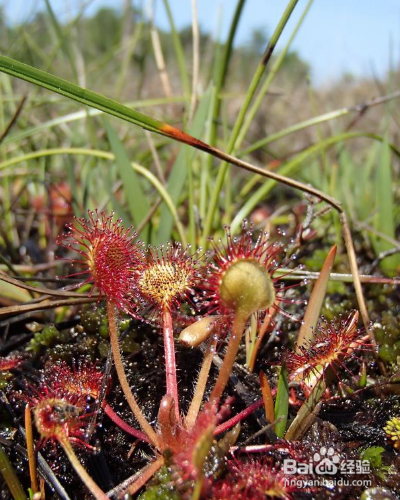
x=198, y=267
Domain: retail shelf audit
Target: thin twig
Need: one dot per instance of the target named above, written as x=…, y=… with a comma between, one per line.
x=46, y=304
x=13, y=119
x=43, y=290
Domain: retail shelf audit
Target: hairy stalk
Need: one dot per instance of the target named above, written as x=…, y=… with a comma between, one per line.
x=239, y=417
x=170, y=362
x=145, y=474
x=123, y=425
x=95, y=490
x=201, y=385
x=10, y=477
x=233, y=346
x=144, y=424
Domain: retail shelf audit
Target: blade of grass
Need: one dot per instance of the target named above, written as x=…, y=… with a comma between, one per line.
x=84, y=96
x=221, y=68
x=136, y=197
x=79, y=115
x=178, y=175
x=61, y=38
x=10, y=477
x=282, y=402
x=195, y=59
x=215, y=195
x=306, y=415
x=275, y=67
x=316, y=300
x=180, y=57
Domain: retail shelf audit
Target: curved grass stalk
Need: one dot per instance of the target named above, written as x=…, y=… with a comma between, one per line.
x=271, y=76
x=10, y=477
x=106, y=156
x=291, y=166
x=242, y=113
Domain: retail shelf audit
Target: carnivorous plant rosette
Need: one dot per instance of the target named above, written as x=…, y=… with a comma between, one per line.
x=241, y=281
x=60, y=416
x=111, y=256
x=332, y=342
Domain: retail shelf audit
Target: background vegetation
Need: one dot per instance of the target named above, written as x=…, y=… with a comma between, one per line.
x=349, y=154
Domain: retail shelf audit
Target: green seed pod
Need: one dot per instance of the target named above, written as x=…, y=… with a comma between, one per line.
x=246, y=287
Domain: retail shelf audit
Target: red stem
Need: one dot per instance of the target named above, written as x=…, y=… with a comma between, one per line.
x=239, y=417
x=170, y=363
x=123, y=425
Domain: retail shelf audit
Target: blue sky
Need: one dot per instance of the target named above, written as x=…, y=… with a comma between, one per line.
x=357, y=36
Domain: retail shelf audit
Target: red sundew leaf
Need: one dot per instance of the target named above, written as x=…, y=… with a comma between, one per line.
x=9, y=363
x=110, y=256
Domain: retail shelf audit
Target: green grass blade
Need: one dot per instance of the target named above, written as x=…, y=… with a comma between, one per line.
x=136, y=197
x=221, y=67
x=305, y=416
x=10, y=477
x=291, y=166
x=61, y=38
x=282, y=402
x=79, y=94
x=240, y=119
x=274, y=69
x=179, y=52
x=79, y=115
x=178, y=176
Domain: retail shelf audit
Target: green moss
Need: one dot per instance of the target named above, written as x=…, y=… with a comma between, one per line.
x=333, y=307
x=4, y=378
x=48, y=337
x=128, y=344
x=94, y=320
x=386, y=353
x=161, y=488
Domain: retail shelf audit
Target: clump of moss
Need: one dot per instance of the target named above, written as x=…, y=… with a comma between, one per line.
x=48, y=337
x=161, y=488
x=387, y=334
